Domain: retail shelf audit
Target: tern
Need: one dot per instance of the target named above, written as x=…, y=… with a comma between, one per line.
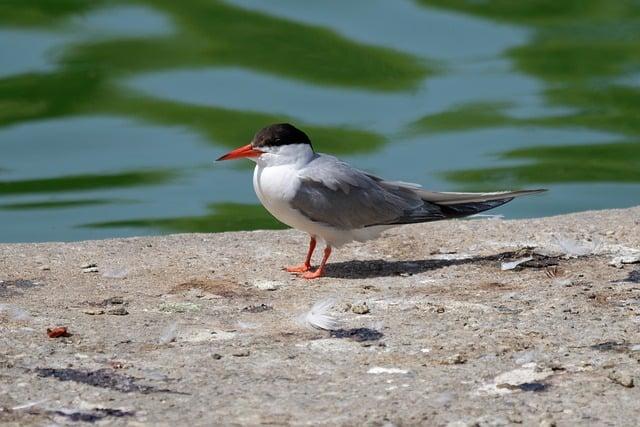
x=336, y=203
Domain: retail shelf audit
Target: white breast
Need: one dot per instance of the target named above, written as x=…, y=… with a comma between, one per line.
x=275, y=186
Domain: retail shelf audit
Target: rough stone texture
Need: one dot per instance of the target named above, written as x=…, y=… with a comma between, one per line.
x=450, y=338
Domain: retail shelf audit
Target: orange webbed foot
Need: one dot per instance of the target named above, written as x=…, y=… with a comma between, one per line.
x=313, y=274
x=302, y=268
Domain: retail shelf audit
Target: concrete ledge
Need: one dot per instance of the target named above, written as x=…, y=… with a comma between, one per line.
x=205, y=329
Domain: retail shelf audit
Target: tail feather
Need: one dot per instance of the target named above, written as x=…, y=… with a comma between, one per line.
x=471, y=208
x=456, y=205
x=438, y=206
x=448, y=199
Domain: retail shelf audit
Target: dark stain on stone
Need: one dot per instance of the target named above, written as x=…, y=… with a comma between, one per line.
x=633, y=277
x=103, y=378
x=93, y=415
x=358, y=334
x=257, y=308
x=538, y=261
x=109, y=302
x=113, y=301
x=382, y=268
x=610, y=346
x=535, y=387
x=17, y=286
x=119, y=311
x=503, y=309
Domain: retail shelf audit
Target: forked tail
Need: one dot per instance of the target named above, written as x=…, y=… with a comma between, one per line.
x=455, y=205
x=437, y=206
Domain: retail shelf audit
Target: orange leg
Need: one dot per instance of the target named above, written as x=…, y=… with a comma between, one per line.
x=320, y=271
x=307, y=262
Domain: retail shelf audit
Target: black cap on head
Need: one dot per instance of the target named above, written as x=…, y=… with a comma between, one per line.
x=279, y=134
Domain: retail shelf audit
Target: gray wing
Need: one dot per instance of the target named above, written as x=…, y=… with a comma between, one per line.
x=334, y=193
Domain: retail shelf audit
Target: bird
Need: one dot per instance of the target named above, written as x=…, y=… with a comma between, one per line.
x=336, y=203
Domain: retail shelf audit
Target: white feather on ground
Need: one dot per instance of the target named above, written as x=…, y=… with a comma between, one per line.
x=513, y=264
x=318, y=316
x=28, y=405
x=169, y=333
x=573, y=248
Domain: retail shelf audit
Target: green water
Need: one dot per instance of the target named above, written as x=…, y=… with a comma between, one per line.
x=112, y=112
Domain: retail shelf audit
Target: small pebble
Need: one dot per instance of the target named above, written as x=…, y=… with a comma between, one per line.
x=257, y=308
x=555, y=365
x=515, y=418
x=216, y=356
x=456, y=359
x=57, y=332
x=90, y=270
x=113, y=301
x=120, y=311
x=547, y=422
x=622, y=378
x=267, y=285
x=88, y=265
x=93, y=312
x=440, y=310
x=360, y=308
x=45, y=268
x=241, y=353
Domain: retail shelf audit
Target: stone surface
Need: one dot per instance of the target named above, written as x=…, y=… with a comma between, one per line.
x=450, y=339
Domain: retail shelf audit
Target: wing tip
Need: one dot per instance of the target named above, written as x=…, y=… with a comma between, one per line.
x=534, y=191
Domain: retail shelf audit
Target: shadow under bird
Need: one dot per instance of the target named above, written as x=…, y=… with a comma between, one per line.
x=338, y=204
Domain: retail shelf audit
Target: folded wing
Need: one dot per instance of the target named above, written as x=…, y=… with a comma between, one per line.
x=333, y=193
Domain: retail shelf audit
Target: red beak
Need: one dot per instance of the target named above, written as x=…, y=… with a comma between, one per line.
x=238, y=153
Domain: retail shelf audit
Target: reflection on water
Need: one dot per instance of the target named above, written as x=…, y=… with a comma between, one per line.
x=220, y=217
x=84, y=182
x=585, y=52
x=54, y=204
x=111, y=112
x=613, y=162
